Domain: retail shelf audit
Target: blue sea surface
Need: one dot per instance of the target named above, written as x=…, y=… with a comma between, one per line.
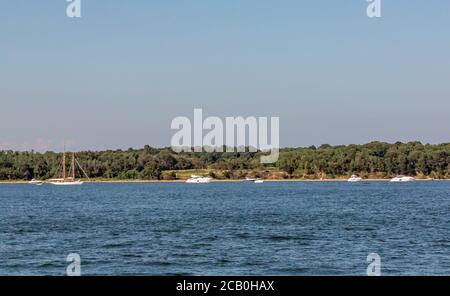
x=279, y=228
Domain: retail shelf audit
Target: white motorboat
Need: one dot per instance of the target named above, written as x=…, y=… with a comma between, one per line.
x=198, y=179
x=36, y=182
x=259, y=181
x=247, y=179
x=402, y=179
x=354, y=178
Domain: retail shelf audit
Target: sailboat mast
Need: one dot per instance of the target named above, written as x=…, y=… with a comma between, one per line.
x=64, y=164
x=73, y=166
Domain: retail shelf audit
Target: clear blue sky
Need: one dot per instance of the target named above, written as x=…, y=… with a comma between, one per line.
x=117, y=77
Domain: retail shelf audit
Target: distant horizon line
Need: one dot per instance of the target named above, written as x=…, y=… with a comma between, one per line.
x=321, y=146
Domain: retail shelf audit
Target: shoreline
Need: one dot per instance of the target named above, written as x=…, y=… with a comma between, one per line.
x=221, y=181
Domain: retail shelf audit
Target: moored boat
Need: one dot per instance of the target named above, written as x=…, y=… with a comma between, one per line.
x=354, y=178
x=68, y=180
x=198, y=179
x=402, y=179
x=65, y=182
x=36, y=182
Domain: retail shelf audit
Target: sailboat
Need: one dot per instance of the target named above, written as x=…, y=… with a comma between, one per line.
x=68, y=180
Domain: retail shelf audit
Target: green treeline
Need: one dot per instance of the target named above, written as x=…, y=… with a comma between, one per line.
x=376, y=159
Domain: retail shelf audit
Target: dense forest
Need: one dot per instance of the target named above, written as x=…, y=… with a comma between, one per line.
x=376, y=160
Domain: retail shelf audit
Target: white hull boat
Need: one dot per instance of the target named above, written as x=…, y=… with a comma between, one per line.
x=36, y=182
x=71, y=183
x=354, y=178
x=402, y=179
x=198, y=180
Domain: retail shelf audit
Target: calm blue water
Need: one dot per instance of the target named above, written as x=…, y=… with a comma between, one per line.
x=229, y=228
